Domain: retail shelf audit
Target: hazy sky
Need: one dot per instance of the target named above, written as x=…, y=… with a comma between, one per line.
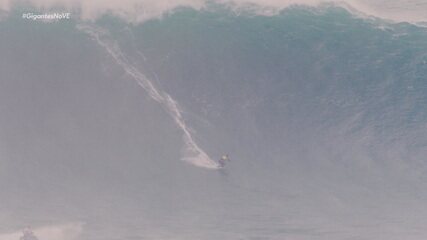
x=139, y=10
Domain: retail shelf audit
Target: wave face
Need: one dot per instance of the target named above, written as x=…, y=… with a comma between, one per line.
x=194, y=154
x=322, y=113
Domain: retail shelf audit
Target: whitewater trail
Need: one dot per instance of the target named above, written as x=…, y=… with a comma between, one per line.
x=192, y=153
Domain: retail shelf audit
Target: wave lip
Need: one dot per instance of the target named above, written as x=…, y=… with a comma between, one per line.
x=137, y=11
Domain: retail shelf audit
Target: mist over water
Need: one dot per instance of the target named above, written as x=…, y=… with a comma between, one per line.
x=321, y=111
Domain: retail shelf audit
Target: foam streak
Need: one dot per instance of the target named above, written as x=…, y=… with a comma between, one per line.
x=193, y=153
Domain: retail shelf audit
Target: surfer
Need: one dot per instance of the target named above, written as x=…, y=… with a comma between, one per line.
x=28, y=234
x=222, y=160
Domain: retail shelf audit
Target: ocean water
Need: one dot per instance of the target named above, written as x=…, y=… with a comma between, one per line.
x=111, y=129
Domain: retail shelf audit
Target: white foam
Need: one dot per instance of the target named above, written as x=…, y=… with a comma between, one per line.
x=142, y=10
x=192, y=152
x=70, y=231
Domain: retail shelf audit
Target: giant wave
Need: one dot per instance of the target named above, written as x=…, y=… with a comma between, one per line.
x=322, y=112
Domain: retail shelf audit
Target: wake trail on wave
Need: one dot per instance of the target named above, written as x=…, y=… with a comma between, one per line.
x=192, y=152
